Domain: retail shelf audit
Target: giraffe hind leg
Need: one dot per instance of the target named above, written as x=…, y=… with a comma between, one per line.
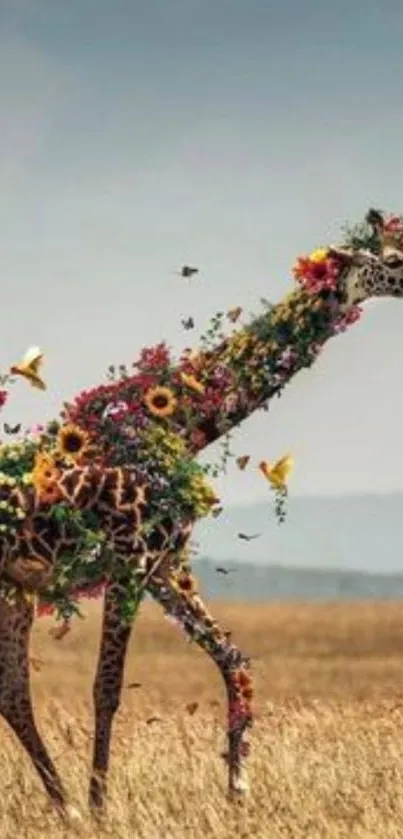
x=187, y=607
x=107, y=690
x=15, y=695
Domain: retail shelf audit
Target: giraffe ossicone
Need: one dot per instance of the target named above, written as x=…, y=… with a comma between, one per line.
x=105, y=498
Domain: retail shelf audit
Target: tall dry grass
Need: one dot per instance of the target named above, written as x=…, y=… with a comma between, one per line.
x=327, y=757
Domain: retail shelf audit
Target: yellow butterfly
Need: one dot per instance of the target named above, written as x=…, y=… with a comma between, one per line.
x=29, y=367
x=192, y=383
x=242, y=461
x=277, y=474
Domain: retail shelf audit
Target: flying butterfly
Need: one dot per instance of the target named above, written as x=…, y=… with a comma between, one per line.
x=187, y=271
x=29, y=367
x=188, y=323
x=234, y=314
x=242, y=461
x=221, y=570
x=217, y=512
x=247, y=538
x=12, y=429
x=192, y=707
x=278, y=474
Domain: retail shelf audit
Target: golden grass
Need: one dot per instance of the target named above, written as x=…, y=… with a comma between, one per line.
x=327, y=748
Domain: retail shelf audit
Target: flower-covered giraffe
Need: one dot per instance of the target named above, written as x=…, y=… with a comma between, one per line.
x=107, y=497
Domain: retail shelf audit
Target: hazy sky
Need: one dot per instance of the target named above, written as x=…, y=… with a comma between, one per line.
x=233, y=134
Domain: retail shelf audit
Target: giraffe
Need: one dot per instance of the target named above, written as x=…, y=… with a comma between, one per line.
x=110, y=477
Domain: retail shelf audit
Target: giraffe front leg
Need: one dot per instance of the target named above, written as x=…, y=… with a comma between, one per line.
x=178, y=597
x=107, y=690
x=15, y=695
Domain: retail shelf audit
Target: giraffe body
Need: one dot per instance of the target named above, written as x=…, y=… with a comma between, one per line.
x=111, y=484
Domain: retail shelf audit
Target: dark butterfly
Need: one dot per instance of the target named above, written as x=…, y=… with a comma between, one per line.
x=12, y=429
x=187, y=271
x=192, y=707
x=188, y=323
x=243, y=461
x=247, y=538
x=221, y=570
x=217, y=512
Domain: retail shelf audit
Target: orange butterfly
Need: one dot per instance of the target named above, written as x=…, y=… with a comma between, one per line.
x=29, y=367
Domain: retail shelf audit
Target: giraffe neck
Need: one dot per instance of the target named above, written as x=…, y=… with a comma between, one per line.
x=237, y=377
x=262, y=359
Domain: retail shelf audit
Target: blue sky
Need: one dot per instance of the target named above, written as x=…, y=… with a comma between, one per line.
x=233, y=135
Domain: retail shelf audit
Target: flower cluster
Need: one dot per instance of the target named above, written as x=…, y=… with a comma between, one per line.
x=317, y=272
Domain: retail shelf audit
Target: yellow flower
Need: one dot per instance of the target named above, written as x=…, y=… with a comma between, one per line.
x=319, y=255
x=71, y=441
x=160, y=401
x=192, y=383
x=45, y=476
x=277, y=474
x=29, y=367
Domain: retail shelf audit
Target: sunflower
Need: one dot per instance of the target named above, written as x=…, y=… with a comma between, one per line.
x=160, y=401
x=71, y=441
x=45, y=476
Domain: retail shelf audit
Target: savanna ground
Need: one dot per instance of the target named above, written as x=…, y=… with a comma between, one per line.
x=327, y=747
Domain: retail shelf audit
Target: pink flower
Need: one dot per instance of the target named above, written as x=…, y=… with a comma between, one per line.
x=36, y=429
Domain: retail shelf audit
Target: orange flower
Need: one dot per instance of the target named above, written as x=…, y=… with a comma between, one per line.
x=45, y=477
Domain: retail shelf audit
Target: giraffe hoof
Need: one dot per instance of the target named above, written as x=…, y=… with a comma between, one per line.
x=239, y=786
x=72, y=815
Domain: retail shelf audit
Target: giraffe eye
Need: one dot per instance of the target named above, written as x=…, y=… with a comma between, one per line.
x=393, y=261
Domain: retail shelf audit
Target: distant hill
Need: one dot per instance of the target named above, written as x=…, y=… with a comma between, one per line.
x=348, y=546
x=248, y=581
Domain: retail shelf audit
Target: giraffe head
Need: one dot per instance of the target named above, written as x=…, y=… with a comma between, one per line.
x=364, y=273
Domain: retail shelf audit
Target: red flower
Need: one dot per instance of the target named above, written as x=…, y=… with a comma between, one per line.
x=315, y=276
x=152, y=358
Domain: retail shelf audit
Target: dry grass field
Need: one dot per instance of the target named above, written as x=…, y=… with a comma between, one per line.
x=327, y=759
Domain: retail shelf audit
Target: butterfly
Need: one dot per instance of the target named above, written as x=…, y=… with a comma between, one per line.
x=36, y=664
x=133, y=685
x=153, y=719
x=242, y=461
x=217, y=512
x=29, y=367
x=233, y=314
x=58, y=632
x=12, y=430
x=277, y=474
x=187, y=271
x=221, y=570
x=192, y=707
x=188, y=323
x=247, y=538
